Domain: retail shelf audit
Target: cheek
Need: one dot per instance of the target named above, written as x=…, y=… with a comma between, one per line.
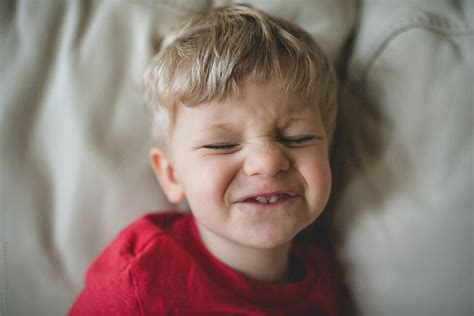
x=317, y=174
x=208, y=180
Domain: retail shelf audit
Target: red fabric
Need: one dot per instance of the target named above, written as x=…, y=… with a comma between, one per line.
x=158, y=266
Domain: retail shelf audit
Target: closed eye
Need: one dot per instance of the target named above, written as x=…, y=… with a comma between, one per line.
x=297, y=140
x=220, y=146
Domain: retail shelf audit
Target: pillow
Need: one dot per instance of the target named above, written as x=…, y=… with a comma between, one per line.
x=403, y=211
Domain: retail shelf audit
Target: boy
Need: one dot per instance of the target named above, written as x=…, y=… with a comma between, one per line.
x=243, y=108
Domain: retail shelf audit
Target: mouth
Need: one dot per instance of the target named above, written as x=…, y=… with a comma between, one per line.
x=266, y=199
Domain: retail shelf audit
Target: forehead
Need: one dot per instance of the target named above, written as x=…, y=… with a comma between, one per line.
x=255, y=103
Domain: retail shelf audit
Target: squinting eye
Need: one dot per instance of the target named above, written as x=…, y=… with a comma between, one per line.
x=297, y=140
x=220, y=146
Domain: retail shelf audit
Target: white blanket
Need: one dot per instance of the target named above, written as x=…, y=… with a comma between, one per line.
x=405, y=213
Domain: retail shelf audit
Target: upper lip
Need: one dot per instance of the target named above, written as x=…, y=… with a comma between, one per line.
x=266, y=194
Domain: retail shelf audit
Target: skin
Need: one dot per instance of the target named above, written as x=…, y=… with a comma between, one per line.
x=259, y=143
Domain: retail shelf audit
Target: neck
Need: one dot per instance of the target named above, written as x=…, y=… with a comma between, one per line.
x=269, y=265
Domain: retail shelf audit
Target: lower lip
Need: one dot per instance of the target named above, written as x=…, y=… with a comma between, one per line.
x=281, y=201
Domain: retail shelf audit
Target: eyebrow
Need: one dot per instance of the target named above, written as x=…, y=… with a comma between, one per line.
x=288, y=122
x=230, y=127
x=220, y=127
x=298, y=119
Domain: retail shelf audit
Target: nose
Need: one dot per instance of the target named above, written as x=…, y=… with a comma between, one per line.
x=266, y=160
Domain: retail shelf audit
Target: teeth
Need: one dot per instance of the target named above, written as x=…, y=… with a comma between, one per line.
x=273, y=199
x=268, y=200
x=262, y=199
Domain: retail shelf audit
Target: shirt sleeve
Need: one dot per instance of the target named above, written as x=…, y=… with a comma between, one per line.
x=107, y=293
x=110, y=285
x=114, y=283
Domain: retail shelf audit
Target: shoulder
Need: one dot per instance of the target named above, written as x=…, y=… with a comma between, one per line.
x=136, y=238
x=113, y=281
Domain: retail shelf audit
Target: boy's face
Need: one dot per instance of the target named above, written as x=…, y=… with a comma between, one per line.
x=254, y=169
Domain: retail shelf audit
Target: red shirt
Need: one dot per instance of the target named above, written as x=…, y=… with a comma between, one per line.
x=159, y=266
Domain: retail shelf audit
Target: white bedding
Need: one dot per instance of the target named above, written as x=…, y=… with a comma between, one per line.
x=74, y=141
x=406, y=215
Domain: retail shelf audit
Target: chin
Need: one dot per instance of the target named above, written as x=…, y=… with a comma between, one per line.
x=270, y=239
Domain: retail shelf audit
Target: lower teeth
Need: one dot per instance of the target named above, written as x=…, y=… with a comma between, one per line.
x=263, y=200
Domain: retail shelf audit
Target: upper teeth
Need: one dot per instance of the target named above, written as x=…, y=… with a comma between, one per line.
x=268, y=200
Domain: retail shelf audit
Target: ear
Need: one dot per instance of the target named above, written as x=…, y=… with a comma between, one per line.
x=165, y=174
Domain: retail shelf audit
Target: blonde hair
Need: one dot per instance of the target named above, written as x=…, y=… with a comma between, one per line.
x=212, y=54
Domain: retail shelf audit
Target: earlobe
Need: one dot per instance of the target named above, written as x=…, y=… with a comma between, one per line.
x=165, y=174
